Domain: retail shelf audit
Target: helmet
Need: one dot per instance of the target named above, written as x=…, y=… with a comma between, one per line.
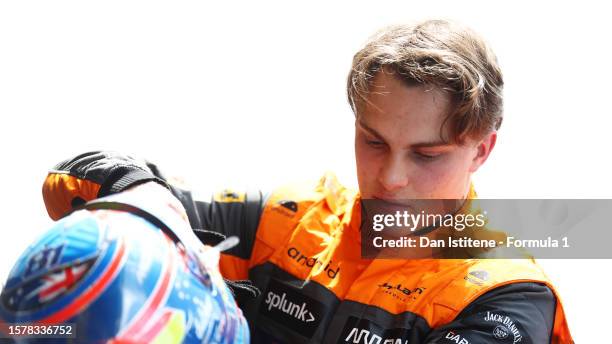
x=117, y=276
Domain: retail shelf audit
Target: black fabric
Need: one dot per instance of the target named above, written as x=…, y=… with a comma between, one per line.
x=355, y=321
x=125, y=177
x=239, y=219
x=243, y=290
x=267, y=322
x=335, y=320
x=114, y=172
x=209, y=237
x=516, y=313
x=77, y=202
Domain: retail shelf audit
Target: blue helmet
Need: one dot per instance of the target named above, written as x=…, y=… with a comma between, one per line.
x=119, y=274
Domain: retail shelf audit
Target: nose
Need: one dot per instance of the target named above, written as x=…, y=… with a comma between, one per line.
x=393, y=174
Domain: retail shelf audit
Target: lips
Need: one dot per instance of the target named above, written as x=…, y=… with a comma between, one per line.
x=401, y=202
x=390, y=205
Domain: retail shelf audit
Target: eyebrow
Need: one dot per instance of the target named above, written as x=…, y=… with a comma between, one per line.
x=428, y=144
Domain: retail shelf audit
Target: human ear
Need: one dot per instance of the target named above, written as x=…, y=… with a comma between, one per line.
x=483, y=150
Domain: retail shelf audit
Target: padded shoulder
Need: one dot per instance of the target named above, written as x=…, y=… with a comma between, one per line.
x=288, y=205
x=472, y=278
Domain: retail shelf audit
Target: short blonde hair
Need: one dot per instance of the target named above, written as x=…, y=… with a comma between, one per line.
x=442, y=54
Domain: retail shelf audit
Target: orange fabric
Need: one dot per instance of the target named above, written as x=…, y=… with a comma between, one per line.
x=59, y=190
x=561, y=333
x=280, y=219
x=233, y=268
x=321, y=242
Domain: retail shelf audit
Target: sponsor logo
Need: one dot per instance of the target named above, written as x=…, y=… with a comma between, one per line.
x=286, y=207
x=362, y=331
x=330, y=270
x=401, y=293
x=44, y=259
x=229, y=196
x=500, y=332
x=505, y=327
x=456, y=338
x=291, y=205
x=477, y=277
x=291, y=308
x=299, y=312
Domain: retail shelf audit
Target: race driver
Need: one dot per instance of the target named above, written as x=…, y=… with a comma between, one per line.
x=427, y=100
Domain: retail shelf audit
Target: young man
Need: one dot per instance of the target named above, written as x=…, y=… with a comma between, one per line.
x=427, y=103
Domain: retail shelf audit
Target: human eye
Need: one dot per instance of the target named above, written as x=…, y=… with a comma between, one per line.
x=426, y=157
x=374, y=143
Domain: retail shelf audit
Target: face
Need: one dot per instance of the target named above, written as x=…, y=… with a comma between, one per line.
x=398, y=148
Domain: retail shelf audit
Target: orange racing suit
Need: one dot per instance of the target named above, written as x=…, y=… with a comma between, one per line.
x=300, y=245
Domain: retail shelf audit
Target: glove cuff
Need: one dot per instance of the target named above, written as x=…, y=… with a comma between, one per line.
x=123, y=178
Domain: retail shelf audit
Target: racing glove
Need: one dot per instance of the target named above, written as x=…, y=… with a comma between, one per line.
x=88, y=176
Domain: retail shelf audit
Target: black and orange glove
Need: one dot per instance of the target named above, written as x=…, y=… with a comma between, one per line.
x=91, y=175
x=88, y=176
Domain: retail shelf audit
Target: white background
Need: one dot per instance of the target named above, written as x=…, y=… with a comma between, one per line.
x=253, y=94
